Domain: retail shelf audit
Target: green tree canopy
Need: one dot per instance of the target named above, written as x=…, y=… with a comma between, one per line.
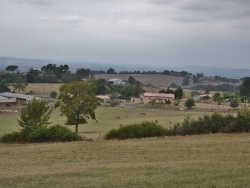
x=129, y=91
x=4, y=85
x=178, y=94
x=185, y=81
x=34, y=115
x=245, y=87
x=81, y=73
x=189, y=103
x=19, y=84
x=101, y=86
x=131, y=80
x=77, y=101
x=234, y=103
x=111, y=71
x=11, y=68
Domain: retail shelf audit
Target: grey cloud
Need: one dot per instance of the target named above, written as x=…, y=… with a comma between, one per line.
x=197, y=5
x=163, y=1
x=213, y=10
x=33, y=2
x=138, y=31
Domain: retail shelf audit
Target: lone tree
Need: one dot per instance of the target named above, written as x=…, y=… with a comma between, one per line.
x=34, y=115
x=189, y=103
x=11, y=68
x=234, y=103
x=178, y=94
x=77, y=101
x=245, y=87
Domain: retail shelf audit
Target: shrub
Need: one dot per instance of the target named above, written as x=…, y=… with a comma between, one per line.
x=14, y=137
x=212, y=124
x=243, y=120
x=189, y=103
x=167, y=102
x=54, y=133
x=34, y=115
x=53, y=94
x=145, y=129
x=234, y=103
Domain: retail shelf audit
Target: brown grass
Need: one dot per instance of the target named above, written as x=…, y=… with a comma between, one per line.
x=220, y=160
x=42, y=88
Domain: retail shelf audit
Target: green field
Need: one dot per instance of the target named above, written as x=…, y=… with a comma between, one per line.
x=108, y=118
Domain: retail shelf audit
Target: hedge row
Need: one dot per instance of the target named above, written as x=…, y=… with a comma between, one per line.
x=55, y=133
x=145, y=129
x=216, y=123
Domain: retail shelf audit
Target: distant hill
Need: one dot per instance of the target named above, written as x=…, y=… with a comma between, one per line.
x=213, y=71
x=156, y=80
x=25, y=64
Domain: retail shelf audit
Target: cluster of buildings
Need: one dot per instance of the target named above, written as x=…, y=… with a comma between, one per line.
x=8, y=98
x=145, y=98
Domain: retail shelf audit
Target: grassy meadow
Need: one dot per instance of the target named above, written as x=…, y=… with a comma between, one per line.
x=42, y=88
x=108, y=118
x=220, y=160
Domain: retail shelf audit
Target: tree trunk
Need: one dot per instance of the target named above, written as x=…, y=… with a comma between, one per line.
x=76, y=129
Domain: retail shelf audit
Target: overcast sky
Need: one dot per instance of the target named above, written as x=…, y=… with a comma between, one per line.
x=163, y=32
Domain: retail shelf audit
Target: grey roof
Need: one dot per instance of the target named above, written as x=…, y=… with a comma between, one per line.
x=116, y=80
x=16, y=95
x=4, y=99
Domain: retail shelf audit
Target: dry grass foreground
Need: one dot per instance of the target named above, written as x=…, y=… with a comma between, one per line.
x=220, y=160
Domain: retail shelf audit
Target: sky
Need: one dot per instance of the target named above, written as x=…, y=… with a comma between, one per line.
x=142, y=32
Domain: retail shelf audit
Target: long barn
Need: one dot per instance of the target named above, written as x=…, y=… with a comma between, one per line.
x=15, y=98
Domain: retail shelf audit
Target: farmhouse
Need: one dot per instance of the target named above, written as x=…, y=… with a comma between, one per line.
x=14, y=98
x=157, y=97
x=116, y=81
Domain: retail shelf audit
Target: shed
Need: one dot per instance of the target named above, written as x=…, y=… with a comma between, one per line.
x=19, y=98
x=158, y=97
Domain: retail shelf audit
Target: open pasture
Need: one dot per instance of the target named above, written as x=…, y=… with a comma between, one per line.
x=108, y=118
x=220, y=160
x=42, y=89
